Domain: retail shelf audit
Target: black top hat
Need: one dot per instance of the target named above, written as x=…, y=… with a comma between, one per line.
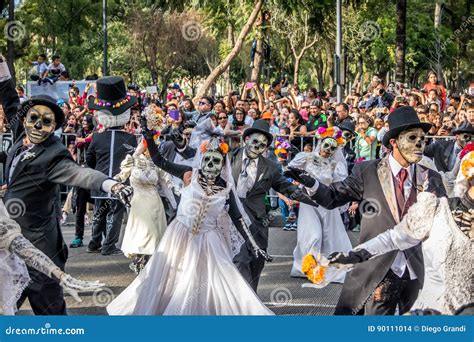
x=347, y=125
x=259, y=126
x=401, y=119
x=112, y=96
x=43, y=100
x=465, y=127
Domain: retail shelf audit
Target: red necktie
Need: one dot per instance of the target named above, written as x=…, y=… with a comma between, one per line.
x=402, y=176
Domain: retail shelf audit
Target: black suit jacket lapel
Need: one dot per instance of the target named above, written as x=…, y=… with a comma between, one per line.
x=237, y=165
x=36, y=150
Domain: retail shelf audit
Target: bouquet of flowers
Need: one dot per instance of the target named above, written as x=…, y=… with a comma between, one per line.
x=315, y=267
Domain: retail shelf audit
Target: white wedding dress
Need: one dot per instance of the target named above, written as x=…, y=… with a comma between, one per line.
x=191, y=272
x=447, y=252
x=146, y=222
x=320, y=230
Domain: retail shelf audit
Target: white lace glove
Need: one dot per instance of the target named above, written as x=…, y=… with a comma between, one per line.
x=4, y=71
x=74, y=286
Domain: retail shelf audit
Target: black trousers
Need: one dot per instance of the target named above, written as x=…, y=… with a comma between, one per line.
x=393, y=291
x=249, y=266
x=106, y=224
x=45, y=296
x=83, y=197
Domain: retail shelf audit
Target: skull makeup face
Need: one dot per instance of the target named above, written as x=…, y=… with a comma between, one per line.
x=211, y=164
x=255, y=145
x=40, y=123
x=411, y=144
x=463, y=139
x=328, y=147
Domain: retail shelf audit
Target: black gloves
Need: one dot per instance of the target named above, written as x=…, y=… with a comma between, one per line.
x=176, y=136
x=353, y=257
x=301, y=176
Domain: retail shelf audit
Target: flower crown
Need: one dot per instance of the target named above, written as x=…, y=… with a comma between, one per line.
x=105, y=103
x=331, y=132
x=214, y=145
x=281, y=148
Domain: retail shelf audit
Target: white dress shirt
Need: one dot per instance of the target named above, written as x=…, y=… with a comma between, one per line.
x=401, y=263
x=244, y=184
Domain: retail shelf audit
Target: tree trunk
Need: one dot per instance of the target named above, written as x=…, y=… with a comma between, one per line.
x=319, y=70
x=235, y=51
x=359, y=75
x=400, y=40
x=230, y=41
x=329, y=66
x=257, y=62
x=296, y=70
x=10, y=41
x=437, y=15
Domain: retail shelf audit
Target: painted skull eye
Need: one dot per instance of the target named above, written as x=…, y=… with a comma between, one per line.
x=412, y=137
x=47, y=121
x=33, y=117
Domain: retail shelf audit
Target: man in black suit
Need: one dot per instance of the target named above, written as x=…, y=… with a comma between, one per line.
x=105, y=153
x=255, y=175
x=445, y=152
x=178, y=151
x=386, y=188
x=36, y=164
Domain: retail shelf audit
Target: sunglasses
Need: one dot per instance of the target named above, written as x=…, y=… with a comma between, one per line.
x=222, y=118
x=201, y=103
x=304, y=107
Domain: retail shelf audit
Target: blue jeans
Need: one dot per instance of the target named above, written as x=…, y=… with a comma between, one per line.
x=284, y=209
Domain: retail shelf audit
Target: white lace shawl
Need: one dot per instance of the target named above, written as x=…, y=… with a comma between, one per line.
x=15, y=252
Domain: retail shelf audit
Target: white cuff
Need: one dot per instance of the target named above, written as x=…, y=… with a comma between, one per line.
x=311, y=191
x=107, y=185
x=4, y=71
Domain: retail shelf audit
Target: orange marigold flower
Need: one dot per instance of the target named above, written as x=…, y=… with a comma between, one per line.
x=204, y=146
x=224, y=148
x=314, y=271
x=340, y=141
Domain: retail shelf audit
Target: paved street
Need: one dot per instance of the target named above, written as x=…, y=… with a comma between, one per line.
x=280, y=292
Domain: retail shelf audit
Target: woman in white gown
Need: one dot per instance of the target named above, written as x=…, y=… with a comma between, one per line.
x=15, y=253
x=146, y=222
x=191, y=272
x=321, y=230
x=445, y=228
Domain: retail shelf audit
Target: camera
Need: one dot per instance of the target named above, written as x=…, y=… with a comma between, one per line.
x=381, y=91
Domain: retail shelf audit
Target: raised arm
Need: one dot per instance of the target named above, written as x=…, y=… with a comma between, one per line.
x=9, y=99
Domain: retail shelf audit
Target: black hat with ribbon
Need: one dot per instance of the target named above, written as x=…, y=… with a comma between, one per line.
x=259, y=126
x=400, y=120
x=112, y=96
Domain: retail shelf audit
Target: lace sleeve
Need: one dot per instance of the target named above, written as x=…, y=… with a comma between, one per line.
x=33, y=257
x=9, y=230
x=125, y=169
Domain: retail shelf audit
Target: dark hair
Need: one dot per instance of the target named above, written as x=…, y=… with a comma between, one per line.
x=65, y=74
x=286, y=129
x=253, y=100
x=55, y=57
x=191, y=102
x=275, y=83
x=42, y=55
x=210, y=100
x=344, y=105
x=297, y=115
x=220, y=102
x=20, y=88
x=313, y=90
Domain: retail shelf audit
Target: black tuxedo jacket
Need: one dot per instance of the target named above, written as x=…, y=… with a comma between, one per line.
x=106, y=151
x=268, y=176
x=169, y=151
x=32, y=187
x=440, y=151
x=371, y=184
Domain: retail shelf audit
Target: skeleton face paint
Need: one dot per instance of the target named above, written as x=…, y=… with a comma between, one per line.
x=411, y=144
x=39, y=124
x=211, y=164
x=255, y=145
x=464, y=139
x=328, y=147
